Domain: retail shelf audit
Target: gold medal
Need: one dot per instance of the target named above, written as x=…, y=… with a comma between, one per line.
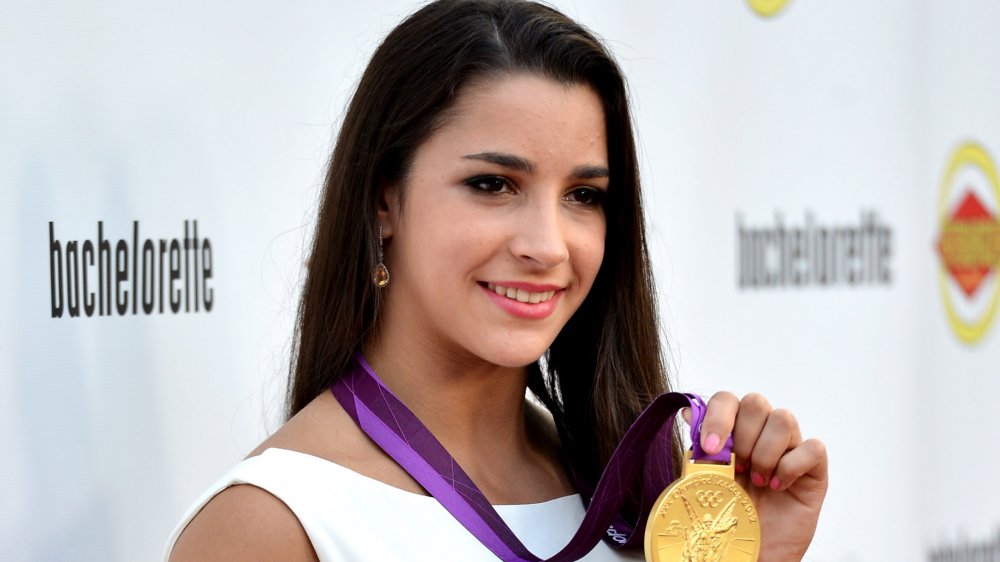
x=704, y=516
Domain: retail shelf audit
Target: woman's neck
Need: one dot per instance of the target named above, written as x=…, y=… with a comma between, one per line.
x=478, y=413
x=463, y=402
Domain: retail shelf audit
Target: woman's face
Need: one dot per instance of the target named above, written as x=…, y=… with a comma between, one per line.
x=501, y=229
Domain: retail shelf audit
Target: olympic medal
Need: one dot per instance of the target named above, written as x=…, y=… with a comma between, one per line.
x=704, y=516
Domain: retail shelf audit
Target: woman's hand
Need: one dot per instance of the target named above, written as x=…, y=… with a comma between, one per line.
x=785, y=476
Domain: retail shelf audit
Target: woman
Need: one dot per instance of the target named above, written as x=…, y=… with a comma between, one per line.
x=481, y=233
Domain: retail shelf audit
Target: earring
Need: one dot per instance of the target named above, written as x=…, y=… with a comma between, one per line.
x=380, y=277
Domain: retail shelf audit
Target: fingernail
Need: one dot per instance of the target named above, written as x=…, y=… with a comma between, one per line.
x=775, y=483
x=757, y=479
x=712, y=443
x=740, y=468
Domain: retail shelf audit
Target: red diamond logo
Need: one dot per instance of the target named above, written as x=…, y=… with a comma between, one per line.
x=970, y=244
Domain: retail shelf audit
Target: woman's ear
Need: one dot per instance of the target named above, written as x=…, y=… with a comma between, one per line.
x=388, y=208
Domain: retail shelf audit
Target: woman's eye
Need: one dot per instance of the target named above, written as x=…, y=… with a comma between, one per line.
x=489, y=184
x=587, y=196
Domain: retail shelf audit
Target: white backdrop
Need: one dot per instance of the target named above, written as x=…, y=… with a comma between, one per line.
x=164, y=113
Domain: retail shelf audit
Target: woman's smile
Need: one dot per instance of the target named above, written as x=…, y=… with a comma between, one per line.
x=522, y=293
x=518, y=299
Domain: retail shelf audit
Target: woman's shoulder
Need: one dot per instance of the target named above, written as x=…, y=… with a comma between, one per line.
x=243, y=522
x=258, y=506
x=241, y=516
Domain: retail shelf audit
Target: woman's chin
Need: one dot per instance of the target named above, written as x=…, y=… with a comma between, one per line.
x=515, y=358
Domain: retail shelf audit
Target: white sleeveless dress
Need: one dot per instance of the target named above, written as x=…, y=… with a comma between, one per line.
x=350, y=517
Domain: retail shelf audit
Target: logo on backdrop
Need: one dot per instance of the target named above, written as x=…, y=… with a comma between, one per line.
x=814, y=253
x=103, y=277
x=968, y=244
x=966, y=551
x=767, y=8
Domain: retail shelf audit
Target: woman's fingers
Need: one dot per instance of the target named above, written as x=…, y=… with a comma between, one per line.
x=779, y=435
x=767, y=442
x=750, y=421
x=719, y=419
x=808, y=459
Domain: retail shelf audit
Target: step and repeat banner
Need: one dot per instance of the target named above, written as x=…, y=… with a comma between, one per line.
x=824, y=207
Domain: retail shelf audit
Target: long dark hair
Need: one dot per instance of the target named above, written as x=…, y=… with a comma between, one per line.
x=606, y=365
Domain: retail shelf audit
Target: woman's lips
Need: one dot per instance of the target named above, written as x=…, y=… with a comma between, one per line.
x=533, y=295
x=524, y=300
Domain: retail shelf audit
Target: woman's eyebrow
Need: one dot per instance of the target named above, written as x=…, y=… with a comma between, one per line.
x=590, y=172
x=505, y=160
x=585, y=172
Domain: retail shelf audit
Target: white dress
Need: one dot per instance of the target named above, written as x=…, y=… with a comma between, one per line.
x=348, y=516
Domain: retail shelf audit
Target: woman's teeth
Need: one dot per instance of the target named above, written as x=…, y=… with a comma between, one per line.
x=520, y=295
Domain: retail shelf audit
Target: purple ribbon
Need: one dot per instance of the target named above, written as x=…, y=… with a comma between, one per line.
x=391, y=425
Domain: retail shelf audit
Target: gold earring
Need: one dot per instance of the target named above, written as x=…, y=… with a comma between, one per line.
x=380, y=277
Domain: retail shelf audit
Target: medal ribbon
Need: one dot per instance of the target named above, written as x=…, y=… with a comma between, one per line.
x=391, y=425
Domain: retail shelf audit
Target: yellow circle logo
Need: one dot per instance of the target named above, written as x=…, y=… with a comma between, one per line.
x=767, y=8
x=969, y=242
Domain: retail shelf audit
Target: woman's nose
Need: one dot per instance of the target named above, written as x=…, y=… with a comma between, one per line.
x=540, y=236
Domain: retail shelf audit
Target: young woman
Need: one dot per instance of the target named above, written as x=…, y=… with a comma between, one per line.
x=481, y=234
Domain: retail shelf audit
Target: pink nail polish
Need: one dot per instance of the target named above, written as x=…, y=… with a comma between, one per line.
x=775, y=483
x=757, y=479
x=712, y=443
x=740, y=468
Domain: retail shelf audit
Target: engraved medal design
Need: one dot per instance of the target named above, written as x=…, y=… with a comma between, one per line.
x=704, y=516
